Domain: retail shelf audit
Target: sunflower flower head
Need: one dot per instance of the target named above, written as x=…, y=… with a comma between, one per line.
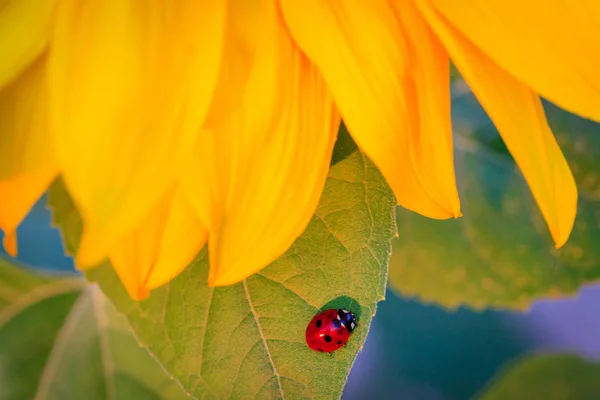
x=176, y=124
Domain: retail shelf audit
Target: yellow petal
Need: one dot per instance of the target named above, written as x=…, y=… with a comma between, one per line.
x=552, y=45
x=28, y=164
x=259, y=170
x=160, y=246
x=9, y=242
x=24, y=31
x=131, y=84
x=519, y=116
x=391, y=84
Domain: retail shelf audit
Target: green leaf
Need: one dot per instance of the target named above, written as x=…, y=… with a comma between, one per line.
x=61, y=339
x=247, y=340
x=500, y=253
x=548, y=377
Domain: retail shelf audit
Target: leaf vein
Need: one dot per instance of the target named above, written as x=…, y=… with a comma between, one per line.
x=364, y=182
x=334, y=235
x=288, y=289
x=39, y=294
x=262, y=337
x=210, y=303
x=60, y=345
x=257, y=343
x=9, y=294
x=102, y=324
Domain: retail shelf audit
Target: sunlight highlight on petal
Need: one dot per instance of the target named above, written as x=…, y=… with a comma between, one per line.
x=131, y=85
x=24, y=31
x=160, y=246
x=257, y=175
x=379, y=84
x=550, y=45
x=28, y=165
x=519, y=116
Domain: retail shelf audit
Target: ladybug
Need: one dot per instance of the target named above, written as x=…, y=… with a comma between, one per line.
x=330, y=329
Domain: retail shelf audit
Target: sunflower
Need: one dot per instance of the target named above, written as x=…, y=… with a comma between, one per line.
x=179, y=123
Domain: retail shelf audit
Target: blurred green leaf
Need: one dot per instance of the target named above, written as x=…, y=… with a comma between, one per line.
x=500, y=254
x=547, y=377
x=247, y=340
x=61, y=339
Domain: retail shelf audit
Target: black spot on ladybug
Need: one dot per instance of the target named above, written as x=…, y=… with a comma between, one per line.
x=319, y=323
x=339, y=342
x=320, y=349
x=327, y=338
x=336, y=322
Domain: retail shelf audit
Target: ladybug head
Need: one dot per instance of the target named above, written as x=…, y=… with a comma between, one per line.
x=348, y=319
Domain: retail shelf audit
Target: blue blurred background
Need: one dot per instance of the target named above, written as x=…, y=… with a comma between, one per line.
x=415, y=351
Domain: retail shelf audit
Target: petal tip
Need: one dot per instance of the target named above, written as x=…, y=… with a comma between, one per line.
x=83, y=261
x=560, y=238
x=437, y=211
x=224, y=272
x=10, y=243
x=441, y=215
x=561, y=234
x=141, y=294
x=138, y=293
x=213, y=277
x=211, y=283
x=562, y=228
x=215, y=281
x=88, y=254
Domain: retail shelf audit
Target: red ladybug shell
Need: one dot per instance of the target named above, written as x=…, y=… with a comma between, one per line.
x=329, y=330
